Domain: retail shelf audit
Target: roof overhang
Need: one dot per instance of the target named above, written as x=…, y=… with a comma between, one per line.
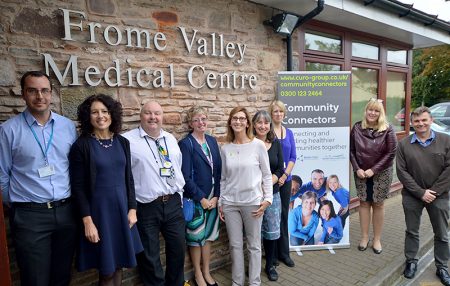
x=353, y=14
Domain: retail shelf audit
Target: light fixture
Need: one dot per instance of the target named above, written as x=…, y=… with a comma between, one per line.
x=284, y=23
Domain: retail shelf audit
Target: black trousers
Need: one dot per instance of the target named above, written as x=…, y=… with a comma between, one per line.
x=167, y=218
x=438, y=211
x=44, y=240
x=283, y=242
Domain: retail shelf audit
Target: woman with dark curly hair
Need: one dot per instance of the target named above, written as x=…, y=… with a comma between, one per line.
x=103, y=188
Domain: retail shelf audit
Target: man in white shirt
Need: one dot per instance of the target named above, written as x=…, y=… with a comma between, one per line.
x=156, y=165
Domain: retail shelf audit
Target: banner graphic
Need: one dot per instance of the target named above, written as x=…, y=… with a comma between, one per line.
x=318, y=114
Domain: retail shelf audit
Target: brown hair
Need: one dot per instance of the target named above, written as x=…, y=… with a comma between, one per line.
x=419, y=110
x=249, y=130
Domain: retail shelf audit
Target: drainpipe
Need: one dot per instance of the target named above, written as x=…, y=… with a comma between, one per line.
x=316, y=11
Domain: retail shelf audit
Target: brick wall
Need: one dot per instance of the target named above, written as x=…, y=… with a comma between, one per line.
x=29, y=29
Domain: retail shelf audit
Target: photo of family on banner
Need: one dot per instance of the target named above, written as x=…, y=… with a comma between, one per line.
x=318, y=114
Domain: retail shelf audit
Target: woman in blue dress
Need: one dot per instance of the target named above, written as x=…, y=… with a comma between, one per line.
x=201, y=169
x=103, y=188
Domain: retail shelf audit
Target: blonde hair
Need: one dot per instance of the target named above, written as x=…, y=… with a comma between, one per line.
x=333, y=177
x=230, y=131
x=194, y=110
x=382, y=123
x=277, y=103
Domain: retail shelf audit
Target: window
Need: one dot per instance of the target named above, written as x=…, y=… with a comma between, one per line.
x=395, y=99
x=397, y=56
x=323, y=42
x=311, y=66
x=364, y=87
x=362, y=50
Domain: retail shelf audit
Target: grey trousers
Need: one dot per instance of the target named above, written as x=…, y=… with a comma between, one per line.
x=438, y=211
x=239, y=219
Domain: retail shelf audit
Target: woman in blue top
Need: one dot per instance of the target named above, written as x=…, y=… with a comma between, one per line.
x=341, y=195
x=331, y=223
x=303, y=221
x=278, y=111
x=201, y=169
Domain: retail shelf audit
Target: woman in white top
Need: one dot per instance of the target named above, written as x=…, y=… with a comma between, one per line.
x=246, y=191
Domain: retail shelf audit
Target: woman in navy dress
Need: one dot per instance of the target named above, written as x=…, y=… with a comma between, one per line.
x=103, y=188
x=201, y=168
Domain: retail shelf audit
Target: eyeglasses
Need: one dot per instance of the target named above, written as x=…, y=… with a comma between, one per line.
x=35, y=91
x=376, y=99
x=197, y=120
x=240, y=119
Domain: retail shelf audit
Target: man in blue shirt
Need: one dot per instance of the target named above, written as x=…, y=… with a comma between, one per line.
x=318, y=185
x=34, y=179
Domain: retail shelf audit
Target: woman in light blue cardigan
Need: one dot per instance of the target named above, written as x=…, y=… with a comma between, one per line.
x=303, y=221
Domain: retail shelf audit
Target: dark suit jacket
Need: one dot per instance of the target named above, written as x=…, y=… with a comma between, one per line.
x=197, y=165
x=83, y=174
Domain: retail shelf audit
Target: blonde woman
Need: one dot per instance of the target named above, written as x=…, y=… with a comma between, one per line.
x=201, y=170
x=285, y=136
x=372, y=151
x=245, y=193
x=341, y=195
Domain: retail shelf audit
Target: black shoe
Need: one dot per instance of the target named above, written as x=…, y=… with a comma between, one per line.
x=442, y=273
x=377, y=251
x=288, y=261
x=215, y=284
x=276, y=263
x=272, y=274
x=362, y=248
x=410, y=270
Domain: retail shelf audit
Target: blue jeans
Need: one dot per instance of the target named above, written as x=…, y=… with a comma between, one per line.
x=296, y=241
x=331, y=240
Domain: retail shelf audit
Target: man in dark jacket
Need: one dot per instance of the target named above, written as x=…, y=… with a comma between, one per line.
x=423, y=167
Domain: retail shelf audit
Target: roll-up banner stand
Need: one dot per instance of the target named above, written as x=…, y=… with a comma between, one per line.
x=318, y=113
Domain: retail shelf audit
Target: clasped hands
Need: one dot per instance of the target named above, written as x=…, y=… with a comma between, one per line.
x=258, y=213
x=208, y=204
x=364, y=174
x=429, y=196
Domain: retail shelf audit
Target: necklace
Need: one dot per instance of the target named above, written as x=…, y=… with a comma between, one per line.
x=100, y=142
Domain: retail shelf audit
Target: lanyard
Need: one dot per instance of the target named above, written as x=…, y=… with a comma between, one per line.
x=207, y=151
x=37, y=140
x=162, y=153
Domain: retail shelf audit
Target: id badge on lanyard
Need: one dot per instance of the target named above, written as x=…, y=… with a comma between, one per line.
x=47, y=170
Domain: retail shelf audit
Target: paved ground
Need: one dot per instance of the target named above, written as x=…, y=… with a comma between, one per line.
x=350, y=266
x=426, y=273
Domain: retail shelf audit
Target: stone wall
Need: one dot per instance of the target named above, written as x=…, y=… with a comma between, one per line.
x=30, y=29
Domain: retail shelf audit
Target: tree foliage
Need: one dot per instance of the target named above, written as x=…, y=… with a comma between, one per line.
x=431, y=76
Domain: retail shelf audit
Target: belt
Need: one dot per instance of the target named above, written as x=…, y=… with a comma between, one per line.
x=47, y=205
x=164, y=198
